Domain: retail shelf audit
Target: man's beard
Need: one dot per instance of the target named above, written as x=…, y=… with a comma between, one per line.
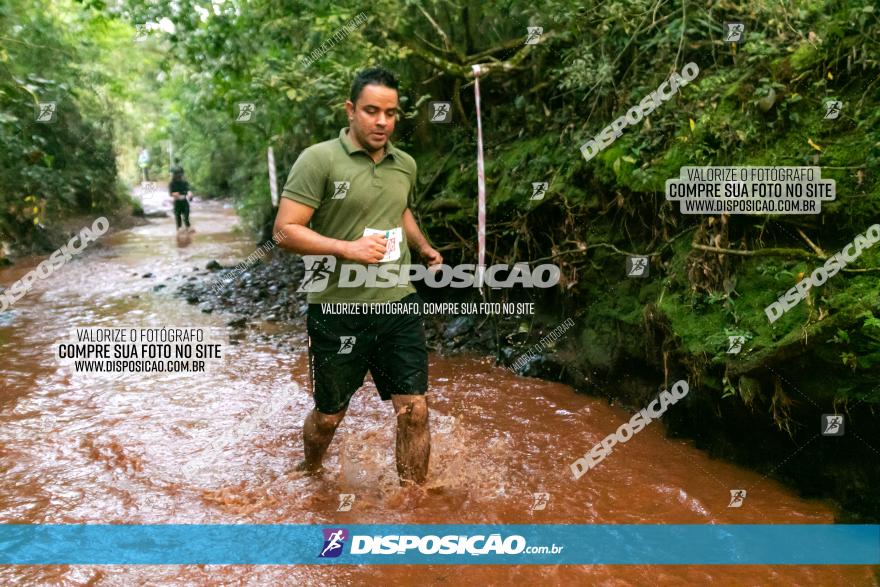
x=363, y=139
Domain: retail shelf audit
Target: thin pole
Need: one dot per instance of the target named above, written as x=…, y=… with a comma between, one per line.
x=481, y=187
x=481, y=213
x=273, y=181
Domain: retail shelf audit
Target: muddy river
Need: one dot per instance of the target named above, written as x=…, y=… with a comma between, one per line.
x=216, y=447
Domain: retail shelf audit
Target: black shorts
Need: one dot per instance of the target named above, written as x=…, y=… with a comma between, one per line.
x=343, y=347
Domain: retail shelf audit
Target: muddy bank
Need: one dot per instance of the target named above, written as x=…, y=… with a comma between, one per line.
x=777, y=434
x=52, y=236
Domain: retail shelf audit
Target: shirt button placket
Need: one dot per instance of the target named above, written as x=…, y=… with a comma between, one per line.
x=376, y=182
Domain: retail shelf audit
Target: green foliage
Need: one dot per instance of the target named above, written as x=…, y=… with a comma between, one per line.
x=56, y=52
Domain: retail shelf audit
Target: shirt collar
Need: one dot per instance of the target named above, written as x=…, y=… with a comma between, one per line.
x=349, y=147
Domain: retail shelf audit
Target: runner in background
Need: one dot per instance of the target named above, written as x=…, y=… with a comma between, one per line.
x=181, y=194
x=144, y=164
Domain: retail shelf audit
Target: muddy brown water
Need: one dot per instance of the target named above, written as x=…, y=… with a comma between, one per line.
x=214, y=448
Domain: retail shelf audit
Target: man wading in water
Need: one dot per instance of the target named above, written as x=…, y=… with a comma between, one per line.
x=349, y=198
x=180, y=193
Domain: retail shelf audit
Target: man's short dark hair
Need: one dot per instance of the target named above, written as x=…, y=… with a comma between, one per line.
x=372, y=75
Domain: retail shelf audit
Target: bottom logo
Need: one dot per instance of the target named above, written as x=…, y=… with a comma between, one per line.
x=334, y=540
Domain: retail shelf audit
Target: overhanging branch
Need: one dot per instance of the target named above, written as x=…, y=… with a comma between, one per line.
x=463, y=69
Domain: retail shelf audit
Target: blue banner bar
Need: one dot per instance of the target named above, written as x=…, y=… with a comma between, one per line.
x=378, y=544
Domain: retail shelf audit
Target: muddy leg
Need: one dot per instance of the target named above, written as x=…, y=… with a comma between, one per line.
x=318, y=431
x=413, y=438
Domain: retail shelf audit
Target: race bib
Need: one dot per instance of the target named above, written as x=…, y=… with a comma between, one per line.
x=392, y=247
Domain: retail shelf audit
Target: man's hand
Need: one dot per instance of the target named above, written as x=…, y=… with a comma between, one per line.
x=367, y=249
x=431, y=256
x=418, y=242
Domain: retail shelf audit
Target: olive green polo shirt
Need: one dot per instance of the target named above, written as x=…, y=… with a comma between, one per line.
x=350, y=192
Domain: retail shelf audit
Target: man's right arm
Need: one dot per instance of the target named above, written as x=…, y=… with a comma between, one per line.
x=304, y=193
x=291, y=222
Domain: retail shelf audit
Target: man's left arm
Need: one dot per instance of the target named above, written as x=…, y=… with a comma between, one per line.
x=417, y=240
